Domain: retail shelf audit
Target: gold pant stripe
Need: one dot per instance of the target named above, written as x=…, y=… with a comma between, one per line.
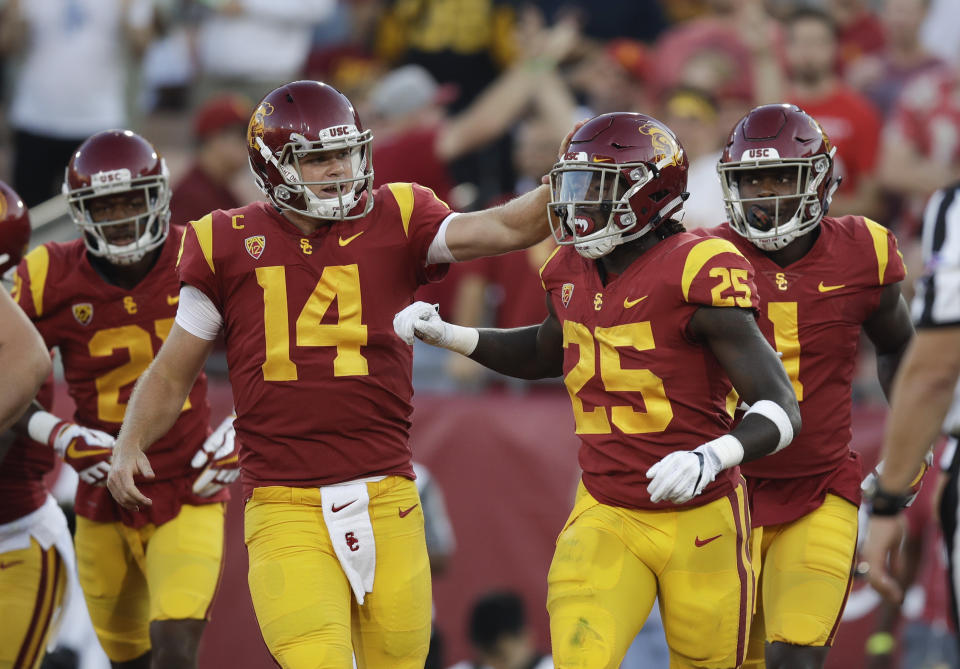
x=42, y=612
x=741, y=518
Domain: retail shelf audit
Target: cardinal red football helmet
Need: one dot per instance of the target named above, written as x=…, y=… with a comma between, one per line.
x=778, y=136
x=296, y=121
x=623, y=175
x=14, y=228
x=112, y=163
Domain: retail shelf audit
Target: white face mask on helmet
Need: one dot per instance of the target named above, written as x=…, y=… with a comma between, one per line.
x=294, y=187
x=150, y=227
x=772, y=222
x=591, y=210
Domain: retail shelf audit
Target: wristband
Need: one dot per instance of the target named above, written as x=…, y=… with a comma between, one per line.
x=728, y=449
x=460, y=339
x=883, y=503
x=880, y=643
x=778, y=416
x=42, y=427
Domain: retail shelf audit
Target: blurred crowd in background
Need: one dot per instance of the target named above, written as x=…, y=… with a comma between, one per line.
x=472, y=97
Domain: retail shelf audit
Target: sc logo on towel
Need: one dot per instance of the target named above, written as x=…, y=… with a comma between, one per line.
x=352, y=542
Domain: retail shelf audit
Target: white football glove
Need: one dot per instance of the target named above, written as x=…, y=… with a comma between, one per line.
x=87, y=450
x=682, y=475
x=404, y=321
x=218, y=456
x=422, y=321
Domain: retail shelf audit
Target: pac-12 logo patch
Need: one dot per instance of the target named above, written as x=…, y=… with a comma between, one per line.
x=83, y=312
x=566, y=293
x=255, y=245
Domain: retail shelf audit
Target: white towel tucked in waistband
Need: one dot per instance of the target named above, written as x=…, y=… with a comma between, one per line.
x=346, y=513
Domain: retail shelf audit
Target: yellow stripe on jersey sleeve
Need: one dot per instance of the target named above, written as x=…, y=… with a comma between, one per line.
x=880, y=245
x=204, y=231
x=403, y=193
x=38, y=264
x=183, y=239
x=547, y=262
x=698, y=256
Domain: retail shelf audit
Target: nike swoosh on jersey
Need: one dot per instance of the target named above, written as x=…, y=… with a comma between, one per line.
x=173, y=299
x=344, y=242
x=827, y=289
x=335, y=508
x=627, y=302
x=703, y=542
x=76, y=453
x=4, y=565
x=403, y=513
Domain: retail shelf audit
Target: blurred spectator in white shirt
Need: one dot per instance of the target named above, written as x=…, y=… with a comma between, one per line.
x=252, y=46
x=71, y=80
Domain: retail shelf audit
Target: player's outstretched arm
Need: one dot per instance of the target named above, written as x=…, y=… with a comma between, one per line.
x=519, y=223
x=153, y=409
x=532, y=352
x=23, y=358
x=890, y=329
x=758, y=376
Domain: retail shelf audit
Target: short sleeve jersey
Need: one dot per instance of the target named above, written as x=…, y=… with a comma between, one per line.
x=107, y=337
x=640, y=386
x=812, y=312
x=321, y=383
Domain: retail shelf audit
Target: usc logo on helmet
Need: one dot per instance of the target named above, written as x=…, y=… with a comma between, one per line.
x=255, y=129
x=663, y=143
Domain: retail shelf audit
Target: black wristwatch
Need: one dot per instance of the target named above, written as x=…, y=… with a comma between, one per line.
x=883, y=503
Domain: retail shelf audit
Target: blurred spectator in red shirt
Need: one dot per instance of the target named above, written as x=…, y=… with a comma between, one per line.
x=219, y=128
x=881, y=76
x=921, y=142
x=859, y=30
x=848, y=118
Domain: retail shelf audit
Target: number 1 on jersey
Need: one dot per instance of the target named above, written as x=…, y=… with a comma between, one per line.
x=786, y=338
x=348, y=335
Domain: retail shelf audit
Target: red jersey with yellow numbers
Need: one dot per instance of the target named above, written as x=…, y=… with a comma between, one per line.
x=321, y=383
x=22, y=489
x=107, y=336
x=641, y=388
x=812, y=312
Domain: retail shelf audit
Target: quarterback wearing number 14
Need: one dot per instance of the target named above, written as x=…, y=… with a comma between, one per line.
x=305, y=287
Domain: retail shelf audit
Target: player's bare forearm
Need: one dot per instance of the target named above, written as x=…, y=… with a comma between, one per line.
x=518, y=224
x=518, y=352
x=922, y=393
x=890, y=329
x=160, y=393
x=23, y=358
x=755, y=371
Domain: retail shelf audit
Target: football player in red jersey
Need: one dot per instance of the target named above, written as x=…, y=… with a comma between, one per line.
x=107, y=302
x=651, y=328
x=821, y=281
x=305, y=286
x=36, y=554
